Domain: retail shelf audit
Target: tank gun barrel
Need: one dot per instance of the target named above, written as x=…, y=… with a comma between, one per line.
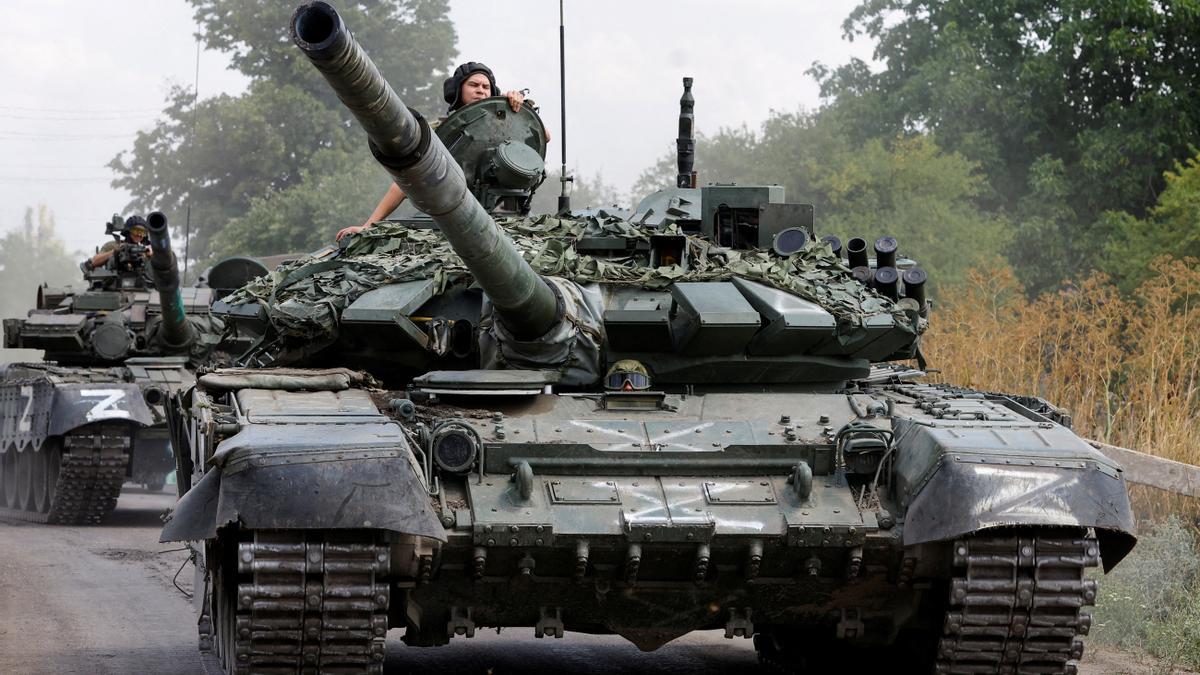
x=405, y=145
x=175, y=332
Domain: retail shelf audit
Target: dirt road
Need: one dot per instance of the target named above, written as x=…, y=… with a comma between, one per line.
x=101, y=600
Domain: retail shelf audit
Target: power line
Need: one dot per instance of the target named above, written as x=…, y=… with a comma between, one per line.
x=80, y=110
x=50, y=167
x=77, y=118
x=56, y=179
x=34, y=136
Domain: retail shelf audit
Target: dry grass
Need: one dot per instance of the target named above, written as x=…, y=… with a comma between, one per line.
x=1128, y=368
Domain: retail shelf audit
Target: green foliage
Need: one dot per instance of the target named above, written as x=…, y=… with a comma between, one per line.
x=338, y=191
x=921, y=196
x=1170, y=228
x=270, y=148
x=1151, y=601
x=31, y=256
x=906, y=187
x=1107, y=89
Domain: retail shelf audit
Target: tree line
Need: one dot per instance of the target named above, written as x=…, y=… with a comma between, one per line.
x=1058, y=137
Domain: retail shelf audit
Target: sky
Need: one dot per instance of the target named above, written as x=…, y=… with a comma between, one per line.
x=79, y=79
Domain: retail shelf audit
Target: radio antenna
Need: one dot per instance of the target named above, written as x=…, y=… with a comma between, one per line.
x=564, y=198
x=187, y=221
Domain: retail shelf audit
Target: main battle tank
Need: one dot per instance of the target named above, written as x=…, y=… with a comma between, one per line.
x=73, y=429
x=680, y=421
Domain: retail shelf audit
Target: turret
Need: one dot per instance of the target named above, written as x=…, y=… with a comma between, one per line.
x=404, y=144
x=174, y=332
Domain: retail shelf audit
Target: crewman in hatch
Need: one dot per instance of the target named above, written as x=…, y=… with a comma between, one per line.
x=627, y=375
x=471, y=82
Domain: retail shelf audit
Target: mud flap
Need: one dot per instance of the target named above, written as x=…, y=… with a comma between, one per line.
x=326, y=491
x=963, y=497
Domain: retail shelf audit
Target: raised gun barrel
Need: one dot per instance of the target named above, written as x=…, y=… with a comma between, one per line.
x=174, y=332
x=404, y=144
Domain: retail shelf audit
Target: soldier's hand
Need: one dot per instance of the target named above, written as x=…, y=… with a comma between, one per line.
x=353, y=229
x=515, y=99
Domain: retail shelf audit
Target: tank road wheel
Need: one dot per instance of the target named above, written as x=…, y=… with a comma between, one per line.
x=39, y=490
x=1015, y=602
x=25, y=462
x=224, y=618
x=52, y=459
x=800, y=649
x=8, y=477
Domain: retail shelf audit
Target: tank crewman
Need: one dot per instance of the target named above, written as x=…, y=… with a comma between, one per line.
x=627, y=375
x=135, y=233
x=471, y=82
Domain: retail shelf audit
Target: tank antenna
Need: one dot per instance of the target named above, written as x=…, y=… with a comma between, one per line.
x=685, y=144
x=564, y=198
x=187, y=221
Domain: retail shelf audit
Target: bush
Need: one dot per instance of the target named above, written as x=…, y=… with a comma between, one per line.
x=1151, y=601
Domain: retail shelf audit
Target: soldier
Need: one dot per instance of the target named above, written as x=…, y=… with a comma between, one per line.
x=627, y=375
x=135, y=233
x=471, y=82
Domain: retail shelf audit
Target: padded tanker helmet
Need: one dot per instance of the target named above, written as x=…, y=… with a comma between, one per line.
x=452, y=86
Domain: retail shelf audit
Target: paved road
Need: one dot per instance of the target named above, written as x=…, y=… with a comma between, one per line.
x=101, y=600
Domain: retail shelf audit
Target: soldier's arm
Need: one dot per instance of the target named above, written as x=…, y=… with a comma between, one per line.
x=390, y=202
x=103, y=256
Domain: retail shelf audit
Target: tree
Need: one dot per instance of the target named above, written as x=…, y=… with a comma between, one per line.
x=31, y=256
x=286, y=136
x=1106, y=89
x=907, y=186
x=1169, y=229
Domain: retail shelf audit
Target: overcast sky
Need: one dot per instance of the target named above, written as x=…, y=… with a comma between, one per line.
x=79, y=79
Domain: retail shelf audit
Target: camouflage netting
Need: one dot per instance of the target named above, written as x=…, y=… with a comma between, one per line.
x=304, y=298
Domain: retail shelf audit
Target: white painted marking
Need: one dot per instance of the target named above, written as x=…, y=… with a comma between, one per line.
x=26, y=423
x=105, y=409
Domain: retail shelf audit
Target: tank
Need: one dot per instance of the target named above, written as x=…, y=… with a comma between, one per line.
x=694, y=418
x=75, y=428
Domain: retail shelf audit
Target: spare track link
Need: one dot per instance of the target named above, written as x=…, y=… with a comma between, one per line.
x=91, y=473
x=1016, y=604
x=310, y=604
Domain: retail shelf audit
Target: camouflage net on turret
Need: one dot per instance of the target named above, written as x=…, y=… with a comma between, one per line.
x=304, y=298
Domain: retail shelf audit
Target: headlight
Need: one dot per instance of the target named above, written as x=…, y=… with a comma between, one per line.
x=455, y=446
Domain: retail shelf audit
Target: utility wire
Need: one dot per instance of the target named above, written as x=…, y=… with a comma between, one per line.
x=76, y=118
x=56, y=179
x=46, y=136
x=79, y=110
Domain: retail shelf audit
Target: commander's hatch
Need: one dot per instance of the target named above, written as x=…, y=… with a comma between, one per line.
x=482, y=383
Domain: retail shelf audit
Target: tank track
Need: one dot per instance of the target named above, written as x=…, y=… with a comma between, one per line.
x=90, y=475
x=304, y=604
x=1015, y=607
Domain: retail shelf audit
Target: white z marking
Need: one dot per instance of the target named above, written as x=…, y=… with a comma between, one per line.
x=25, y=424
x=105, y=410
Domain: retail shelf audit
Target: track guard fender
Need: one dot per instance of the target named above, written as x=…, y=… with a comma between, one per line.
x=76, y=405
x=322, y=491
x=955, y=481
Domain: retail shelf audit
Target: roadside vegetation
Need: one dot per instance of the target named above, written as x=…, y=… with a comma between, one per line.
x=1151, y=602
x=1127, y=366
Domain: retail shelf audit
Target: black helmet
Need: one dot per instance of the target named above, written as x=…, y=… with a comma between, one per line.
x=134, y=221
x=452, y=87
